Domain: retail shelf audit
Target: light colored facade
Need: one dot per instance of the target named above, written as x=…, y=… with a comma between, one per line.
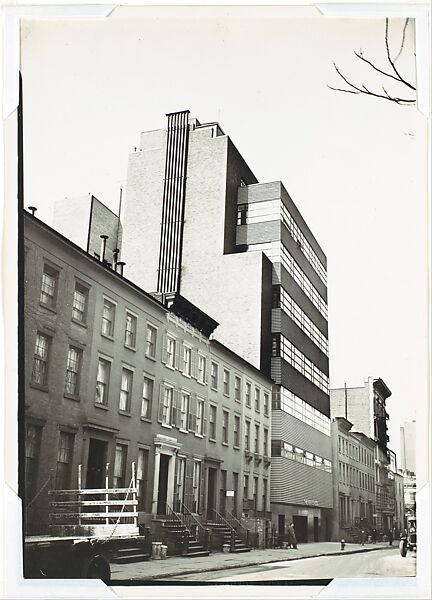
x=196, y=220
x=353, y=481
x=365, y=408
x=399, y=520
x=408, y=446
x=112, y=376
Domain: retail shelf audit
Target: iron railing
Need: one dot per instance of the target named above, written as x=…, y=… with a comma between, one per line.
x=242, y=532
x=193, y=525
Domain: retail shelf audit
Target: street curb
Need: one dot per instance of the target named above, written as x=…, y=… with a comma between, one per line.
x=255, y=563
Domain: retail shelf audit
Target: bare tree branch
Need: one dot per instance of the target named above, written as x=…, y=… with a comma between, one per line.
x=403, y=40
x=392, y=62
x=361, y=57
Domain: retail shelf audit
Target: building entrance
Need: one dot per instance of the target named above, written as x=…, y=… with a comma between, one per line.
x=301, y=528
x=96, y=462
x=316, y=529
x=163, y=484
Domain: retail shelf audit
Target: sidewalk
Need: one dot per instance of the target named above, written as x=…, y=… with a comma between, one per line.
x=177, y=565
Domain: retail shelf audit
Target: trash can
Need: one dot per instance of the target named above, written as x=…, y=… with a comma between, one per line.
x=156, y=550
x=369, y=539
x=226, y=548
x=163, y=553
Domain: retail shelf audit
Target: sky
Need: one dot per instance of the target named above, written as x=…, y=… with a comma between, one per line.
x=355, y=166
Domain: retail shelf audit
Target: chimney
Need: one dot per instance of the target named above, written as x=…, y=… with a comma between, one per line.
x=103, y=247
x=115, y=258
x=121, y=264
x=32, y=209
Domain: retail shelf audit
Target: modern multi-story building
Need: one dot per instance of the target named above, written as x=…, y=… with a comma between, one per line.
x=354, y=481
x=196, y=220
x=365, y=408
x=115, y=377
x=408, y=439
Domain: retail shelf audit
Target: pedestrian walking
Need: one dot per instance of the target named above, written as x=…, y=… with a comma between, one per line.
x=363, y=537
x=292, y=536
x=390, y=537
x=374, y=536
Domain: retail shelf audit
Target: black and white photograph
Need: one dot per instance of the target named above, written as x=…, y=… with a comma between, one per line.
x=216, y=238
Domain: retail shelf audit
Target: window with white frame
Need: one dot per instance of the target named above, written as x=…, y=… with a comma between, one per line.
x=200, y=417
x=257, y=438
x=214, y=376
x=196, y=485
x=266, y=404
x=247, y=435
x=130, y=330
x=108, y=315
x=119, y=480
x=212, y=422
x=79, y=305
x=257, y=400
x=237, y=388
x=201, y=368
x=125, y=390
x=248, y=392
x=73, y=367
x=167, y=399
x=184, y=409
x=170, y=352
x=236, y=431
x=150, y=349
x=102, y=381
x=225, y=423
x=40, y=359
x=226, y=382
x=147, y=398
x=141, y=476
x=187, y=361
x=48, y=294
x=265, y=442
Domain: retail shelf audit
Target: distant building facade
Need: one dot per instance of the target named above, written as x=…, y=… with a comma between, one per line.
x=408, y=439
x=365, y=408
x=112, y=376
x=354, y=499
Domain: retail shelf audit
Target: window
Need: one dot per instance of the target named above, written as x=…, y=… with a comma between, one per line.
x=212, y=422
x=120, y=466
x=236, y=431
x=264, y=495
x=226, y=382
x=196, y=481
x=147, y=398
x=64, y=460
x=255, y=493
x=201, y=368
x=200, y=417
x=73, y=366
x=242, y=214
x=248, y=395
x=170, y=352
x=256, y=441
x=141, y=476
x=265, y=442
x=247, y=435
x=108, y=318
x=245, y=486
x=48, y=295
x=257, y=400
x=79, y=305
x=40, y=359
x=237, y=388
x=130, y=330
x=266, y=404
x=187, y=361
x=184, y=409
x=102, y=380
x=32, y=446
x=125, y=390
x=225, y=421
x=165, y=406
x=151, y=341
x=214, y=376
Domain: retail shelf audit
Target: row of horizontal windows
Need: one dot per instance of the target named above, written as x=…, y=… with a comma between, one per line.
x=286, y=450
x=349, y=475
x=284, y=399
x=282, y=347
x=277, y=253
x=357, y=453
x=239, y=389
x=270, y=210
x=281, y=299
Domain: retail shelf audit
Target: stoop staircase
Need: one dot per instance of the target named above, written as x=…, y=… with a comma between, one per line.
x=236, y=537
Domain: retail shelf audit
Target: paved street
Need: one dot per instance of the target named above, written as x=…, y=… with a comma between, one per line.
x=386, y=563
x=248, y=562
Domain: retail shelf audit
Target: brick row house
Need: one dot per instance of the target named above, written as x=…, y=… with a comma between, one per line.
x=114, y=376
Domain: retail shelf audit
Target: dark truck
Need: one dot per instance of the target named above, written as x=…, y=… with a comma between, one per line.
x=89, y=527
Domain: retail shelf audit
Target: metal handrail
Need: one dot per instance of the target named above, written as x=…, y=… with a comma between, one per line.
x=243, y=532
x=220, y=519
x=191, y=523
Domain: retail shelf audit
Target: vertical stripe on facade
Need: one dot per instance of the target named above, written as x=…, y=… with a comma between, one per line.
x=173, y=203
